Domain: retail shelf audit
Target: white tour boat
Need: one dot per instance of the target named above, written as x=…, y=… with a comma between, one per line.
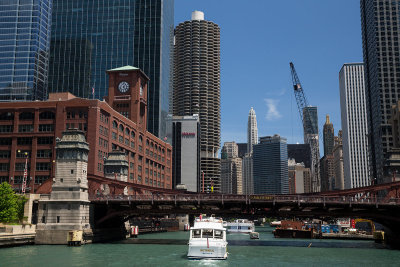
x=241, y=226
x=207, y=239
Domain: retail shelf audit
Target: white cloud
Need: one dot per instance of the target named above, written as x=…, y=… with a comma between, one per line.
x=272, y=112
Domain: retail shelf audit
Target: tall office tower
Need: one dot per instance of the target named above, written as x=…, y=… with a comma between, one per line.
x=338, y=163
x=299, y=177
x=252, y=131
x=24, y=49
x=327, y=172
x=185, y=140
x=329, y=135
x=247, y=174
x=380, y=35
x=197, y=87
x=354, y=125
x=89, y=37
x=231, y=169
x=311, y=137
x=270, y=166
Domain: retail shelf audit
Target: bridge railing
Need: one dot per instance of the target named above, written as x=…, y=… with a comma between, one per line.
x=245, y=198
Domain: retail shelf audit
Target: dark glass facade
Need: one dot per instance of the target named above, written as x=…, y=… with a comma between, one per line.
x=310, y=118
x=92, y=36
x=301, y=153
x=24, y=49
x=380, y=36
x=270, y=166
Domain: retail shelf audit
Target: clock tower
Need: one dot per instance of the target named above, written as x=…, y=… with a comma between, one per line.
x=127, y=94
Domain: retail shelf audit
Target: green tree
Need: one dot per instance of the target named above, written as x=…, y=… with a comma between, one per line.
x=11, y=204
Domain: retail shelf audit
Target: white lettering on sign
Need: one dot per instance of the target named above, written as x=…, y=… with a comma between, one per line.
x=188, y=135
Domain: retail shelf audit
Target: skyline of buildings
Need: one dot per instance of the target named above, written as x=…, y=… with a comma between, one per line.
x=354, y=125
x=89, y=37
x=196, y=88
x=24, y=49
x=81, y=45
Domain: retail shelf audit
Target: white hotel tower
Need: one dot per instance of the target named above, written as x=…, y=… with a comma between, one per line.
x=354, y=125
x=247, y=162
x=252, y=131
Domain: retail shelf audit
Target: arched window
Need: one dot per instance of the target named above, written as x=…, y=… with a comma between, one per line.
x=7, y=116
x=26, y=116
x=133, y=134
x=140, y=139
x=115, y=125
x=147, y=143
x=121, y=128
x=127, y=132
x=46, y=115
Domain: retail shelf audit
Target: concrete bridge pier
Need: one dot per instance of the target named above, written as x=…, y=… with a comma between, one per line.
x=68, y=207
x=182, y=219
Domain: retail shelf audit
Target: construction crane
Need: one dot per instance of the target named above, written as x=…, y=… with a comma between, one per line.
x=310, y=127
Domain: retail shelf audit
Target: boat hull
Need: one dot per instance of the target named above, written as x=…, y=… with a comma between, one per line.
x=204, y=252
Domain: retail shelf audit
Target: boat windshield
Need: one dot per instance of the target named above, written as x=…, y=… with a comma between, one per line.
x=196, y=233
x=218, y=234
x=207, y=233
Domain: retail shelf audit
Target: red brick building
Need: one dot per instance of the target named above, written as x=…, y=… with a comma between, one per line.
x=30, y=129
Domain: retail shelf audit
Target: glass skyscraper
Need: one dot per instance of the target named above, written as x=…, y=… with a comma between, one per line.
x=24, y=49
x=92, y=36
x=270, y=166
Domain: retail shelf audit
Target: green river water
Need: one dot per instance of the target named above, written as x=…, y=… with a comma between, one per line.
x=267, y=251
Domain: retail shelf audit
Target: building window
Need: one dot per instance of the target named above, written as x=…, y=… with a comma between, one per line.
x=46, y=128
x=131, y=176
x=20, y=166
x=45, y=140
x=121, y=139
x=18, y=179
x=115, y=125
x=72, y=171
x=44, y=217
x=139, y=178
x=46, y=115
x=121, y=128
x=114, y=136
x=26, y=116
x=5, y=141
x=24, y=141
x=4, y=167
x=58, y=219
x=42, y=166
x=5, y=154
x=39, y=179
x=4, y=179
x=6, y=128
x=44, y=153
x=127, y=141
x=132, y=144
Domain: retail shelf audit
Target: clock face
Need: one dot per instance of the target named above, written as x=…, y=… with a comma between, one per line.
x=123, y=87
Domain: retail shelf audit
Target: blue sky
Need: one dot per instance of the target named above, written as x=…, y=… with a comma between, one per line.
x=258, y=40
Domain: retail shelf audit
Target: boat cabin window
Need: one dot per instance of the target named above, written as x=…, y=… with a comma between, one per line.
x=196, y=233
x=218, y=234
x=207, y=233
